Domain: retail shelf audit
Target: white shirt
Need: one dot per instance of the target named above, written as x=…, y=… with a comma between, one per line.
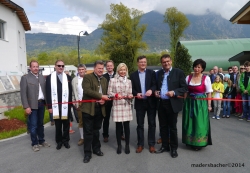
x=207, y=84
x=79, y=88
x=40, y=95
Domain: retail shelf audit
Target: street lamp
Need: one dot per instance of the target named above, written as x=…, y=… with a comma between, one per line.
x=78, y=41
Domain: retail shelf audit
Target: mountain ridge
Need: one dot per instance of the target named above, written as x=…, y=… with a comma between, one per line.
x=202, y=27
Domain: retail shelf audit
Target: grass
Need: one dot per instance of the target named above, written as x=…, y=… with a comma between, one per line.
x=5, y=135
x=18, y=113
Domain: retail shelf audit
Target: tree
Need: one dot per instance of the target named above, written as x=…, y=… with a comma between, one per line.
x=122, y=36
x=177, y=22
x=183, y=59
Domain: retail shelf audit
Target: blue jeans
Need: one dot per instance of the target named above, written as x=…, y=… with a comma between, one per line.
x=36, y=124
x=51, y=117
x=246, y=105
x=226, y=106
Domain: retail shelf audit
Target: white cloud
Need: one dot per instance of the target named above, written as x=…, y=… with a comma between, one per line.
x=92, y=12
x=24, y=2
x=227, y=8
x=64, y=26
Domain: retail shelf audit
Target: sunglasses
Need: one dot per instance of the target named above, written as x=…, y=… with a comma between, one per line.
x=60, y=66
x=242, y=68
x=230, y=70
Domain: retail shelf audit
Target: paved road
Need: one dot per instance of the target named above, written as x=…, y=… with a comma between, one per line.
x=231, y=141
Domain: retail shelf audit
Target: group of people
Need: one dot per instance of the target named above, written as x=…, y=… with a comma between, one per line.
x=114, y=92
x=97, y=97
x=231, y=89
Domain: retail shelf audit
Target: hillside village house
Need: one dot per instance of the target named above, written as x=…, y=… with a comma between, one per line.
x=13, y=24
x=242, y=17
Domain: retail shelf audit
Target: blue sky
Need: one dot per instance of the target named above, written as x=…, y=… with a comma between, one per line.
x=73, y=16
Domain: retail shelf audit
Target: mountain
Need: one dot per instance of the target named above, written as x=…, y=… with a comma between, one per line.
x=202, y=27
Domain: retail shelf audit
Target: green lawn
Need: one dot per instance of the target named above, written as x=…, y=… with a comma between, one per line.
x=18, y=113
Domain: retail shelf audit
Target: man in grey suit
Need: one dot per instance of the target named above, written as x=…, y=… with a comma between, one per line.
x=32, y=89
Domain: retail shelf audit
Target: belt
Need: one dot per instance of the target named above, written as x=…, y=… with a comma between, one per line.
x=40, y=100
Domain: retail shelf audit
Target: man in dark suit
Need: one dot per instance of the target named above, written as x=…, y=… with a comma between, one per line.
x=143, y=86
x=233, y=78
x=63, y=94
x=32, y=90
x=110, y=74
x=170, y=84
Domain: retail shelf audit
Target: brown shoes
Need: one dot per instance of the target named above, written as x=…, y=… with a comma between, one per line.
x=152, y=149
x=80, y=142
x=105, y=139
x=159, y=141
x=139, y=149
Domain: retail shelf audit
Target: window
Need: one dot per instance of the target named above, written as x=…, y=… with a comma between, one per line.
x=2, y=29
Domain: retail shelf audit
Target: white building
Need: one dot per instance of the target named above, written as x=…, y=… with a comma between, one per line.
x=13, y=24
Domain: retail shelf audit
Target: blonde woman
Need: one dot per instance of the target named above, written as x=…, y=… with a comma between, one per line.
x=218, y=90
x=120, y=88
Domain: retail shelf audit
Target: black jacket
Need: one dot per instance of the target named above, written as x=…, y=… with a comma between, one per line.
x=177, y=83
x=150, y=84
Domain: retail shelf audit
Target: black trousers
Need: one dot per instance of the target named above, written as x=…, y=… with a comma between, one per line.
x=62, y=130
x=106, y=121
x=233, y=95
x=91, y=127
x=119, y=129
x=168, y=124
x=140, y=116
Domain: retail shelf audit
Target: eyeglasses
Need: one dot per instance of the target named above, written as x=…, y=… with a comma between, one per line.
x=60, y=66
x=230, y=70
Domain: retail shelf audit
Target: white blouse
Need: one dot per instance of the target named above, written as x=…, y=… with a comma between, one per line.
x=207, y=84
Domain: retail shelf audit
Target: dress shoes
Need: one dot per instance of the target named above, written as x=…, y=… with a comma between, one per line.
x=86, y=159
x=152, y=149
x=98, y=153
x=66, y=145
x=139, y=149
x=59, y=146
x=174, y=153
x=105, y=139
x=127, y=150
x=162, y=149
x=119, y=149
x=159, y=141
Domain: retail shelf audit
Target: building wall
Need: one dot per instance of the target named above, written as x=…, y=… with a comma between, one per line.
x=13, y=46
x=9, y=99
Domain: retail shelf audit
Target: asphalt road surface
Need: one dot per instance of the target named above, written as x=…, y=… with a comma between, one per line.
x=230, y=152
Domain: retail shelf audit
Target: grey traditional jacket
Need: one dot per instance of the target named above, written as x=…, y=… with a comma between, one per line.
x=29, y=90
